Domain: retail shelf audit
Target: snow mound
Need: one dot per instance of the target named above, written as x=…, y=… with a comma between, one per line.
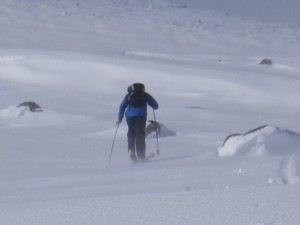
x=165, y=131
x=268, y=140
x=260, y=141
x=20, y=116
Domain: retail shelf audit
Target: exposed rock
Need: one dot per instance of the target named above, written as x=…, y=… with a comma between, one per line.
x=32, y=106
x=153, y=126
x=266, y=62
x=28, y=106
x=248, y=132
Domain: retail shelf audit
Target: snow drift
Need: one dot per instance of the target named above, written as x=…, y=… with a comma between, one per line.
x=264, y=139
x=268, y=140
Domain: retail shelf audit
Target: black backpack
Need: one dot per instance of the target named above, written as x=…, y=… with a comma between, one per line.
x=136, y=97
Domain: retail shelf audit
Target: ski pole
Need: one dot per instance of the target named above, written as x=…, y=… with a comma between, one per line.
x=113, y=143
x=156, y=130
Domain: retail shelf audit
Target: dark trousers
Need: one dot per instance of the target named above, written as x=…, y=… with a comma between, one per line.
x=136, y=135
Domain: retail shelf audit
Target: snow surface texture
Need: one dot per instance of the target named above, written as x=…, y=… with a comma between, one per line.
x=76, y=60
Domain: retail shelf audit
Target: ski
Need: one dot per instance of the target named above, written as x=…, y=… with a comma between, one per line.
x=152, y=155
x=147, y=158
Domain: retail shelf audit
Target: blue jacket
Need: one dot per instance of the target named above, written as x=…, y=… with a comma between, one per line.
x=136, y=111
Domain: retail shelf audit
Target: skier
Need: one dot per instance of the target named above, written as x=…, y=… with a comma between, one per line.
x=135, y=103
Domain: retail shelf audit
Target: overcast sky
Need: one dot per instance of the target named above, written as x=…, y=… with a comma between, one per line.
x=286, y=11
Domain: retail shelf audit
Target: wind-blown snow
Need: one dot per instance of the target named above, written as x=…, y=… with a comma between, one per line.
x=202, y=64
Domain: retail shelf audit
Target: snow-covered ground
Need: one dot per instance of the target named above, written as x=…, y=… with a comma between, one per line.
x=76, y=59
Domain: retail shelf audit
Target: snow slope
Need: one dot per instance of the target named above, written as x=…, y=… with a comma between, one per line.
x=76, y=59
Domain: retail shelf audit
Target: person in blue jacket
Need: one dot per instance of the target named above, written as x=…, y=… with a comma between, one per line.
x=134, y=106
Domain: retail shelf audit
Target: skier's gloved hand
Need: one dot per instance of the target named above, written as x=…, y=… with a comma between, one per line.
x=119, y=121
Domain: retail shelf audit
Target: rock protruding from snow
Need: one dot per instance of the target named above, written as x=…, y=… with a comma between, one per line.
x=29, y=106
x=266, y=62
x=152, y=127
